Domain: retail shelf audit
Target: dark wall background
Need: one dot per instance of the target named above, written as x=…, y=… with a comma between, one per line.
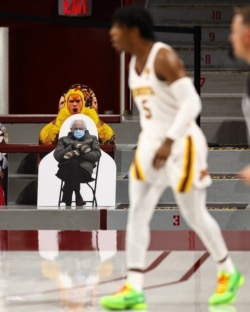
x=44, y=61
x=46, y=55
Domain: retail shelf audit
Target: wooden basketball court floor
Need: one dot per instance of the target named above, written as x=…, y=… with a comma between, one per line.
x=51, y=270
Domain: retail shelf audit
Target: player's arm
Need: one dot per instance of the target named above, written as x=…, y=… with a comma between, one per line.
x=169, y=67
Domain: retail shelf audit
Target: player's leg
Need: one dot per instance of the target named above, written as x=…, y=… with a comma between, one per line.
x=143, y=199
x=193, y=208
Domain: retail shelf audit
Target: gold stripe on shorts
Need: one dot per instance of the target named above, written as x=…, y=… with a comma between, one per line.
x=188, y=167
x=136, y=171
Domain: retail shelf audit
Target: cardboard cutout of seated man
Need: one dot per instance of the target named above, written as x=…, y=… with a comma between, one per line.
x=49, y=184
x=77, y=99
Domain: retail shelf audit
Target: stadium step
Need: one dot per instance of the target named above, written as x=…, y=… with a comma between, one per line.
x=221, y=105
x=212, y=58
x=221, y=118
x=224, y=191
x=224, y=164
x=192, y=12
x=222, y=82
x=214, y=35
x=221, y=160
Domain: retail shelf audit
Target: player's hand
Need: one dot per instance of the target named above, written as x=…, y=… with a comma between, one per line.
x=245, y=175
x=162, y=154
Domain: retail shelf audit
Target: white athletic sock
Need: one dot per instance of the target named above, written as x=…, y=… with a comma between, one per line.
x=135, y=279
x=226, y=266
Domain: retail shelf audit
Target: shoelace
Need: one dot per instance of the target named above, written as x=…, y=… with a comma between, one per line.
x=222, y=283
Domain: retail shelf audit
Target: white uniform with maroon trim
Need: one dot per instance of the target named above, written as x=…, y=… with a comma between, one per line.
x=158, y=108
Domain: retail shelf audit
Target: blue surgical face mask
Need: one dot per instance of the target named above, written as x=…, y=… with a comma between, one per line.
x=78, y=133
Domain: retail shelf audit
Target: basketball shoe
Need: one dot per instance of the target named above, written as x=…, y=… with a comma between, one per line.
x=126, y=299
x=227, y=287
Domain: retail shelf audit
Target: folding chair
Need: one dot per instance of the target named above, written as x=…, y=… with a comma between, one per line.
x=91, y=183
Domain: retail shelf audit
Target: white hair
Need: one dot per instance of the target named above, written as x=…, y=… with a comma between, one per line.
x=78, y=120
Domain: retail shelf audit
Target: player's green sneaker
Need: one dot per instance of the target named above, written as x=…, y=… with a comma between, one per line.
x=126, y=299
x=227, y=287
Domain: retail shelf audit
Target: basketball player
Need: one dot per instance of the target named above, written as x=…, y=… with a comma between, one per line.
x=240, y=40
x=171, y=152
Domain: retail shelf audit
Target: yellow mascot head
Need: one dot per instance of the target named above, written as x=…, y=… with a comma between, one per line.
x=74, y=100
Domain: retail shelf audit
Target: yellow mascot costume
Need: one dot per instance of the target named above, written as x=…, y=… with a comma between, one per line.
x=78, y=99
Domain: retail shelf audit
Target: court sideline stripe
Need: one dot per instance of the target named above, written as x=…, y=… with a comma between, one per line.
x=187, y=275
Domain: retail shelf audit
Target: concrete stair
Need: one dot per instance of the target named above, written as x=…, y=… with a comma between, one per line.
x=195, y=14
x=211, y=35
x=222, y=78
x=222, y=191
x=224, y=164
x=211, y=59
